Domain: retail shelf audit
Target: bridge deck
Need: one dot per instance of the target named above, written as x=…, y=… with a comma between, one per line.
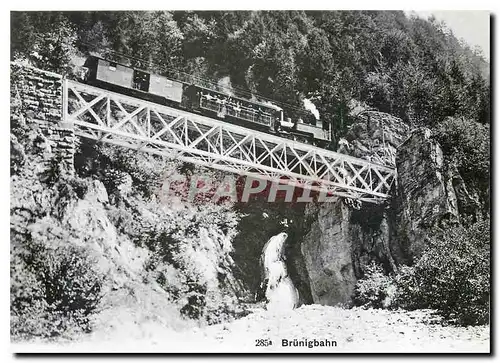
x=145, y=126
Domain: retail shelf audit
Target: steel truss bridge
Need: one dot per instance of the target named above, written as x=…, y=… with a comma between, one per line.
x=117, y=119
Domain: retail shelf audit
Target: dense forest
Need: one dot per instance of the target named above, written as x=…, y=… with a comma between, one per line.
x=407, y=66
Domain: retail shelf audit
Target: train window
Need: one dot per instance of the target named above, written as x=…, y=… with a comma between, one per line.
x=169, y=83
x=141, y=80
x=112, y=66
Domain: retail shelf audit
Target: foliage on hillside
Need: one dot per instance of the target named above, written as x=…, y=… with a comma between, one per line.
x=466, y=144
x=452, y=276
x=104, y=242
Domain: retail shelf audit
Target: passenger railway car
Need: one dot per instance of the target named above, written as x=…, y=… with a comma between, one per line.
x=259, y=115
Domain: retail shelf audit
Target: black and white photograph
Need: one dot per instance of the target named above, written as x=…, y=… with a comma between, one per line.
x=250, y=181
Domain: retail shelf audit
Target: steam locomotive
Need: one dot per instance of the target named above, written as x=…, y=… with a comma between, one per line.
x=190, y=96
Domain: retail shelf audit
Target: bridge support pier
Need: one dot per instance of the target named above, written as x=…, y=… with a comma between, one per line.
x=37, y=103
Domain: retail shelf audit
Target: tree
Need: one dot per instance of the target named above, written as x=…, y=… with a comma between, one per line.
x=47, y=40
x=467, y=144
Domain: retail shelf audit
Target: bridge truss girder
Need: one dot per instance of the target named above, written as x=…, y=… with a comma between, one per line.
x=117, y=119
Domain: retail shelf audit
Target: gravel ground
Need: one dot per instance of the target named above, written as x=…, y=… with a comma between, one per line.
x=352, y=330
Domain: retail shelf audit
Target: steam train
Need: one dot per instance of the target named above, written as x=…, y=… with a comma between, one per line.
x=258, y=115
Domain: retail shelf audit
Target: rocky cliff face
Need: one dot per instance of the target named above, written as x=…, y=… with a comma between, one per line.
x=425, y=197
x=374, y=136
x=343, y=240
x=327, y=251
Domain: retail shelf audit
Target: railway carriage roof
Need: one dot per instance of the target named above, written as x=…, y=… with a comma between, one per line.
x=259, y=103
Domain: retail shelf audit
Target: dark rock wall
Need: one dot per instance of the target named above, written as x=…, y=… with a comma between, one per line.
x=371, y=232
x=341, y=242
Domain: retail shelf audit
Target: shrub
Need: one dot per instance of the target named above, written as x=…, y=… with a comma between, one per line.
x=375, y=290
x=54, y=291
x=196, y=300
x=190, y=258
x=452, y=276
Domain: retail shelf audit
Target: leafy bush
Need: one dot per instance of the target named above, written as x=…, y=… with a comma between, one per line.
x=196, y=301
x=54, y=291
x=452, y=276
x=375, y=290
x=468, y=142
